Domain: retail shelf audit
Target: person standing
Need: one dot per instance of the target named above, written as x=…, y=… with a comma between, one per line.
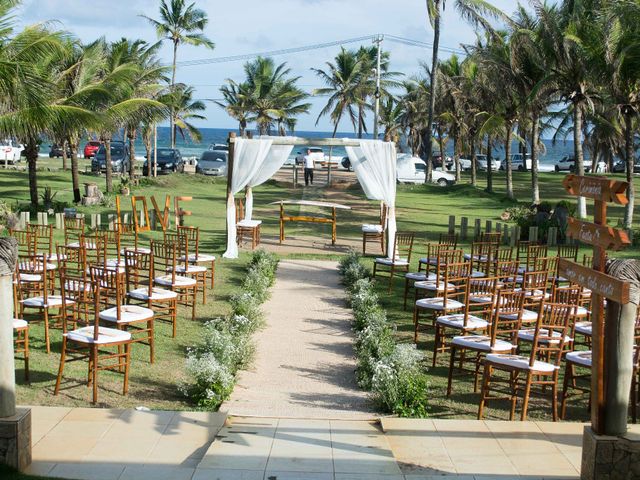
x=309, y=165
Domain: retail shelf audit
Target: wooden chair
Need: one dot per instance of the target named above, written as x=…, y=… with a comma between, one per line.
x=165, y=255
x=139, y=269
x=375, y=232
x=526, y=372
x=74, y=222
x=186, y=268
x=34, y=293
x=43, y=240
x=568, y=252
x=521, y=250
x=21, y=332
x=192, y=234
x=26, y=243
x=491, y=237
x=434, y=282
x=533, y=253
x=446, y=241
x=481, y=256
x=129, y=239
x=248, y=227
x=479, y=302
x=95, y=343
x=450, y=299
x=504, y=324
x=135, y=319
x=402, y=247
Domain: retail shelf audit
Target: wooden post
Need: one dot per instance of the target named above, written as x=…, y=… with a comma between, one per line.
x=514, y=236
x=477, y=228
x=152, y=219
x=230, y=201
x=8, y=258
x=112, y=221
x=452, y=224
x=488, y=225
x=552, y=236
x=59, y=221
x=281, y=223
x=333, y=226
x=533, y=234
x=464, y=227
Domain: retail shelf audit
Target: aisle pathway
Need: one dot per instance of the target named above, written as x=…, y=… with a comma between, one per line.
x=304, y=366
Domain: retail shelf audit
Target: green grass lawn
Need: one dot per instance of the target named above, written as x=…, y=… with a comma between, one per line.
x=423, y=209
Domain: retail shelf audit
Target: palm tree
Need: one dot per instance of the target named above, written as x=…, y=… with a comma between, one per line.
x=342, y=78
x=475, y=11
x=184, y=110
x=180, y=23
x=236, y=103
x=391, y=118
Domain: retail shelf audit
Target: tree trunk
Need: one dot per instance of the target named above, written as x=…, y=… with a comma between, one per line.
x=628, y=148
x=489, y=169
x=535, y=188
x=31, y=152
x=578, y=154
x=441, y=145
x=65, y=158
x=108, y=172
x=173, y=84
x=507, y=153
x=427, y=156
x=75, y=175
x=433, y=82
x=360, y=120
x=147, y=133
x=456, y=156
x=132, y=154
x=474, y=159
x=523, y=147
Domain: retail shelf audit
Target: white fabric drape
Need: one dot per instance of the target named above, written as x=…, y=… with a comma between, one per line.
x=254, y=162
x=375, y=164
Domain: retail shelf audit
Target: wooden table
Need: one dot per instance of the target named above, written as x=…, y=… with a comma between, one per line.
x=309, y=219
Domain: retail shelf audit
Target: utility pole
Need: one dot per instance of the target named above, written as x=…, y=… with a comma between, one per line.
x=378, y=42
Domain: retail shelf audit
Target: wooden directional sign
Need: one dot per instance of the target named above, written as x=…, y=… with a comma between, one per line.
x=599, y=283
x=598, y=235
x=598, y=188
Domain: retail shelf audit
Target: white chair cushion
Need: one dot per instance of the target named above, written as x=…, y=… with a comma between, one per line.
x=134, y=249
x=369, y=228
x=477, y=274
x=30, y=277
x=87, y=245
x=52, y=302
x=580, y=312
x=432, y=286
x=105, y=335
x=18, y=323
x=482, y=343
x=528, y=334
x=249, y=223
x=481, y=298
x=429, y=260
x=581, y=358
x=520, y=362
x=190, y=269
x=54, y=257
x=113, y=264
x=156, y=294
x=165, y=280
x=480, y=258
x=77, y=286
x=35, y=267
x=128, y=314
x=201, y=257
x=457, y=321
x=421, y=276
x=388, y=261
x=527, y=316
x=438, y=304
x=584, y=328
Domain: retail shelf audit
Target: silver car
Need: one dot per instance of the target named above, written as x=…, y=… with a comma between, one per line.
x=213, y=162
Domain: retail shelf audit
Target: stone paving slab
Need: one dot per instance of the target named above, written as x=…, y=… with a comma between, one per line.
x=305, y=364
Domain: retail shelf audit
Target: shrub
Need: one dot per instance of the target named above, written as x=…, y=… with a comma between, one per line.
x=212, y=380
x=246, y=305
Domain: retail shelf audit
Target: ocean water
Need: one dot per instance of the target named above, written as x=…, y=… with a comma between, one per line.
x=210, y=136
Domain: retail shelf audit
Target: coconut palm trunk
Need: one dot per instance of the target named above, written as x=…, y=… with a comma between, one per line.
x=147, y=134
x=509, y=167
x=456, y=157
x=629, y=153
x=108, y=168
x=65, y=157
x=173, y=84
x=535, y=187
x=474, y=174
x=489, y=169
x=75, y=174
x=433, y=85
x=31, y=152
x=132, y=153
x=578, y=154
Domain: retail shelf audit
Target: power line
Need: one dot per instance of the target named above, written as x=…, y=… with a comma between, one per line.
x=317, y=46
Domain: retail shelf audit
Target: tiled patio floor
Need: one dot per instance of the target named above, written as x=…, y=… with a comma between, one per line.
x=97, y=444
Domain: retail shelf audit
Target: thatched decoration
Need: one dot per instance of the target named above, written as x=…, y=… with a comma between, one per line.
x=8, y=255
x=627, y=271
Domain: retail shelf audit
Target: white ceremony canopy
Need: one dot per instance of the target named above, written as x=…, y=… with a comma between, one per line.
x=253, y=161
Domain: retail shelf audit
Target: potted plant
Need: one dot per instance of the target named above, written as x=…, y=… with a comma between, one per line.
x=124, y=186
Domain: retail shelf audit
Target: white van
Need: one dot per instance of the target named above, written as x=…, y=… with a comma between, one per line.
x=10, y=151
x=414, y=170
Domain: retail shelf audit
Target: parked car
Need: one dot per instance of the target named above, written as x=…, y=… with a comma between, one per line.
x=56, y=151
x=481, y=163
x=91, y=148
x=213, y=162
x=169, y=161
x=568, y=164
x=518, y=162
x=346, y=164
x=414, y=170
x=219, y=146
x=120, y=158
x=621, y=166
x=316, y=153
x=10, y=151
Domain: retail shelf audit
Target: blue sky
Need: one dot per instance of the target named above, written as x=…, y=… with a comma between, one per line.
x=250, y=26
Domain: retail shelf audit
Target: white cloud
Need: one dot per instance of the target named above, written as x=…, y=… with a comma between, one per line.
x=256, y=26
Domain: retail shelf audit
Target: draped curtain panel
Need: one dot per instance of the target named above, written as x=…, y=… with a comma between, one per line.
x=254, y=162
x=375, y=164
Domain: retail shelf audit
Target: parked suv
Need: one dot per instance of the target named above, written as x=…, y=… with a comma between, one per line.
x=568, y=164
x=518, y=162
x=169, y=161
x=56, y=151
x=120, y=158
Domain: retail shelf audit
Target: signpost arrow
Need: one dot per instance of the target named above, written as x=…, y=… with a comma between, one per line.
x=599, y=283
x=597, y=188
x=598, y=235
